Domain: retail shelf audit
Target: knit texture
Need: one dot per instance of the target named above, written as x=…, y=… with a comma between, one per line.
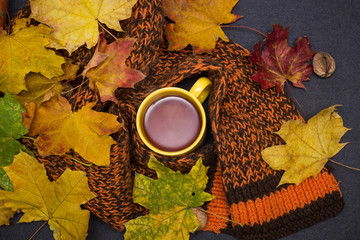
x=242, y=118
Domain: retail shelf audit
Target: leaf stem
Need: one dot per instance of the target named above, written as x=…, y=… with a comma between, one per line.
x=71, y=79
x=107, y=30
x=253, y=29
x=8, y=21
x=78, y=161
x=82, y=83
x=38, y=229
x=297, y=102
x=356, y=169
x=31, y=138
x=227, y=219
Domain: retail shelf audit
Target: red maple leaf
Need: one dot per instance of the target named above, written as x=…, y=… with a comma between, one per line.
x=278, y=62
x=107, y=70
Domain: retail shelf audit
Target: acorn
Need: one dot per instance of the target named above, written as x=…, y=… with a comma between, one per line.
x=201, y=216
x=323, y=64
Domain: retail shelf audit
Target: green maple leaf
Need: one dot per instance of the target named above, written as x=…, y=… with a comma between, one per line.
x=169, y=199
x=11, y=128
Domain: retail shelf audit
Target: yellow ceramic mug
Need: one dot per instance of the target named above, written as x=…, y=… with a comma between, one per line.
x=171, y=121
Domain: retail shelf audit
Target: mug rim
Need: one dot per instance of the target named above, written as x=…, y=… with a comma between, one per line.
x=147, y=101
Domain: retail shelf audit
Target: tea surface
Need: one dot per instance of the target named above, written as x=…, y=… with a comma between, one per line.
x=172, y=123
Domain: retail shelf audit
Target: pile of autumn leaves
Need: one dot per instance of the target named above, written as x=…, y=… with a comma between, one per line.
x=32, y=78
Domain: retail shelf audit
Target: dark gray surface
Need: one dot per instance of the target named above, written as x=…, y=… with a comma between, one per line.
x=332, y=26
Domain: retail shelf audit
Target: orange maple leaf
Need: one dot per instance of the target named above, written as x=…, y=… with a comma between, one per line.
x=197, y=24
x=85, y=131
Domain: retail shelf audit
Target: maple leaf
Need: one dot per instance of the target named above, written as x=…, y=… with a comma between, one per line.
x=56, y=202
x=108, y=71
x=308, y=146
x=169, y=199
x=29, y=114
x=76, y=22
x=11, y=128
x=5, y=214
x=40, y=88
x=99, y=54
x=85, y=131
x=279, y=62
x=24, y=51
x=197, y=23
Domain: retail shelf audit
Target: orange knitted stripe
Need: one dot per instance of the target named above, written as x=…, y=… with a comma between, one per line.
x=217, y=206
x=282, y=202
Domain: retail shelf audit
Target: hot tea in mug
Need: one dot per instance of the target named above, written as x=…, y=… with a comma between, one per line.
x=171, y=121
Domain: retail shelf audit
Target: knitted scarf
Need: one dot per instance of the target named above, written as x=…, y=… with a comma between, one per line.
x=243, y=118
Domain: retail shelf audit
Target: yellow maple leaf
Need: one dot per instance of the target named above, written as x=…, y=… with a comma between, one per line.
x=24, y=51
x=85, y=131
x=197, y=23
x=5, y=213
x=40, y=88
x=308, y=146
x=76, y=22
x=56, y=202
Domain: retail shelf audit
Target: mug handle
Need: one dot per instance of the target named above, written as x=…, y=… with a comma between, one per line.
x=201, y=89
